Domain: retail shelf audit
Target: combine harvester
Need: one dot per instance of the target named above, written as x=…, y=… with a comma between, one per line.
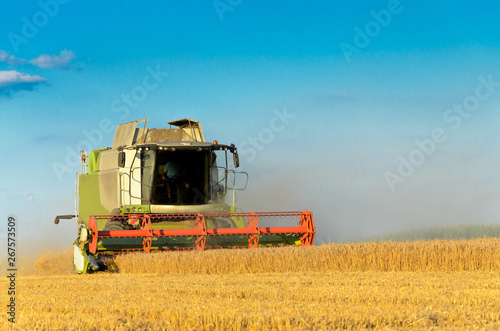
x=168, y=189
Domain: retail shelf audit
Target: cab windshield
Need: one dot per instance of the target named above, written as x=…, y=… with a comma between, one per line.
x=185, y=178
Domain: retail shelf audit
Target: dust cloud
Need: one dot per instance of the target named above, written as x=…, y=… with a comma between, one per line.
x=53, y=262
x=350, y=199
x=45, y=249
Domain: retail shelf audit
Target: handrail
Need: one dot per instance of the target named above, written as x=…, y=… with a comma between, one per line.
x=122, y=189
x=234, y=188
x=77, y=194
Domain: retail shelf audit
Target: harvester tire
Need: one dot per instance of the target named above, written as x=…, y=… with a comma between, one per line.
x=114, y=225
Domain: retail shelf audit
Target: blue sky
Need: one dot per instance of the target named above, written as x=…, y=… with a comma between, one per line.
x=353, y=116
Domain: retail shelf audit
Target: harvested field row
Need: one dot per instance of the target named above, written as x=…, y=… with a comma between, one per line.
x=463, y=255
x=291, y=301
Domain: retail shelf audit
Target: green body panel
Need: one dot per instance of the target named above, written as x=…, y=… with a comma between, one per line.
x=135, y=209
x=238, y=221
x=90, y=200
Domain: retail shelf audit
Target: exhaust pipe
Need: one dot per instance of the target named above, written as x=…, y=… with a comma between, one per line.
x=63, y=217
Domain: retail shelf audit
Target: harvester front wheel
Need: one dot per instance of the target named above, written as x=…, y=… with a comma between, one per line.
x=114, y=225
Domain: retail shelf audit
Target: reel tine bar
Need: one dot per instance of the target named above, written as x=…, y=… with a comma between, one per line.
x=200, y=232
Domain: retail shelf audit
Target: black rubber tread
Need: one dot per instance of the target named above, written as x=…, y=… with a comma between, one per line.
x=114, y=225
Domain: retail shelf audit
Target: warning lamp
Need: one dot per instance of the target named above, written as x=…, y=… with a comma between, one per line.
x=215, y=142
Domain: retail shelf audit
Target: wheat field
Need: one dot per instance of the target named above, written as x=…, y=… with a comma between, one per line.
x=461, y=255
x=416, y=285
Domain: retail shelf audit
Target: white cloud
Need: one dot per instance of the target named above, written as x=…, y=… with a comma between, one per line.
x=12, y=81
x=15, y=77
x=10, y=59
x=43, y=61
x=54, y=61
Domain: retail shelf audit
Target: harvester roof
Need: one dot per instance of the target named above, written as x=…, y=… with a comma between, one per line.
x=130, y=134
x=184, y=122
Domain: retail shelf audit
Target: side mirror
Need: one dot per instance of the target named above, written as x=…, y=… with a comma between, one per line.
x=121, y=159
x=236, y=159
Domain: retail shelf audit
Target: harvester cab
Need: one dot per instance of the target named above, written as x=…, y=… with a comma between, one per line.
x=168, y=189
